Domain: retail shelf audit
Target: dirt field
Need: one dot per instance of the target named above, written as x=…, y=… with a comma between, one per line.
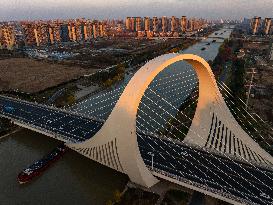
x=31, y=76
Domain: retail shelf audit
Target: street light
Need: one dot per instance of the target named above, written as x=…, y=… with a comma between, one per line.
x=152, y=155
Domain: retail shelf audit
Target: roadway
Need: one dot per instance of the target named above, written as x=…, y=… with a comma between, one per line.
x=68, y=126
x=192, y=166
x=210, y=171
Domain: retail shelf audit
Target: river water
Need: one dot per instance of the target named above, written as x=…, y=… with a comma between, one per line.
x=75, y=179
x=165, y=94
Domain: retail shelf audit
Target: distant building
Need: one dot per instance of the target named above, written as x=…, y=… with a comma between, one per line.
x=101, y=30
x=138, y=24
x=267, y=26
x=147, y=24
x=190, y=25
x=79, y=30
x=7, y=37
x=64, y=33
x=72, y=33
x=128, y=23
x=155, y=24
x=133, y=24
x=29, y=33
x=41, y=34
x=96, y=29
x=55, y=32
x=255, y=25
x=174, y=24
x=183, y=24
x=164, y=23
x=86, y=31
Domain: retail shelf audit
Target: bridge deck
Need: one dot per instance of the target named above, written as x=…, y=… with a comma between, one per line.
x=211, y=172
x=198, y=168
x=67, y=126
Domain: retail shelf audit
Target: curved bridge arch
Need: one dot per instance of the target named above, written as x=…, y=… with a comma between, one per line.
x=116, y=146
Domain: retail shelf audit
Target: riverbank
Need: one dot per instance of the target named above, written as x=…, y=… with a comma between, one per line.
x=235, y=70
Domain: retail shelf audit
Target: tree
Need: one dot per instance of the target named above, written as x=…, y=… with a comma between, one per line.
x=109, y=202
x=117, y=196
x=71, y=99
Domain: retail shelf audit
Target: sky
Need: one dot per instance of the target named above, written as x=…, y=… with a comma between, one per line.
x=101, y=9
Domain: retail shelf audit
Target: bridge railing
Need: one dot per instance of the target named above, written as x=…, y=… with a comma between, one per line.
x=212, y=151
x=54, y=108
x=39, y=128
x=197, y=185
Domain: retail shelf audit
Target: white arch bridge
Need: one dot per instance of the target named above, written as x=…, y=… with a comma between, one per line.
x=217, y=157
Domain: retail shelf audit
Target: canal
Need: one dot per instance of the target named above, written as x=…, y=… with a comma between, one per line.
x=76, y=179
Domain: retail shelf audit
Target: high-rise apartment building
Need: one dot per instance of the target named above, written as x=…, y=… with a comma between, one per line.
x=164, y=23
x=101, y=30
x=190, y=25
x=138, y=24
x=7, y=37
x=174, y=24
x=64, y=32
x=86, y=30
x=41, y=33
x=183, y=24
x=147, y=24
x=73, y=31
x=78, y=30
x=29, y=34
x=96, y=29
x=56, y=31
x=128, y=23
x=133, y=24
x=255, y=25
x=267, y=26
x=155, y=24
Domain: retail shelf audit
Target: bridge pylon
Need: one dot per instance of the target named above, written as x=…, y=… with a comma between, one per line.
x=115, y=145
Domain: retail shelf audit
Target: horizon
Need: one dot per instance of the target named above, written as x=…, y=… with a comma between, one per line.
x=17, y=10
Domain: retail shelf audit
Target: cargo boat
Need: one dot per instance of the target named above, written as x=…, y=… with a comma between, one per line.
x=202, y=49
x=38, y=167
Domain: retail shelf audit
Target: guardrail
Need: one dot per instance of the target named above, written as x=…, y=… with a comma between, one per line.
x=54, y=108
x=212, y=151
x=200, y=186
x=34, y=127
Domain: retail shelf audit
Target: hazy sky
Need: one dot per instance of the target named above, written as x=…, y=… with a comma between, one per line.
x=49, y=9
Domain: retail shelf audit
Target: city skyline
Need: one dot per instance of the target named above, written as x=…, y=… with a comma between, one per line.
x=48, y=9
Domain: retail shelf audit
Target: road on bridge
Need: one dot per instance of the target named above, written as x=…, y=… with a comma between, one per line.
x=69, y=127
x=196, y=167
x=237, y=179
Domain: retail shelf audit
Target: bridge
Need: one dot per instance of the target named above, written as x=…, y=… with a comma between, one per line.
x=209, y=37
x=217, y=157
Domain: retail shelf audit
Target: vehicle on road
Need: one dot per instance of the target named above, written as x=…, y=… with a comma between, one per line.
x=8, y=108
